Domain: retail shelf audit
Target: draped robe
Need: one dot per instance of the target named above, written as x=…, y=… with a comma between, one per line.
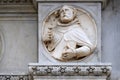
x=67, y=36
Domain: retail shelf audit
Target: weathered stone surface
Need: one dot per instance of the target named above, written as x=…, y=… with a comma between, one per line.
x=94, y=12
x=104, y=2
x=13, y=77
x=65, y=35
x=20, y=44
x=110, y=33
x=82, y=71
x=49, y=67
x=11, y=2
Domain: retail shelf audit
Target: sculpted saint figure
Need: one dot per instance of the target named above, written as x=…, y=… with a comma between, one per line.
x=67, y=40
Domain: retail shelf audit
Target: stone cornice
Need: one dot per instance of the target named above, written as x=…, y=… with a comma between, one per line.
x=11, y=3
x=17, y=7
x=14, y=77
x=16, y=2
x=104, y=2
x=70, y=70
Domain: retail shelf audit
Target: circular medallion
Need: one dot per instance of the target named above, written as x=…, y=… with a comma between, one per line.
x=69, y=33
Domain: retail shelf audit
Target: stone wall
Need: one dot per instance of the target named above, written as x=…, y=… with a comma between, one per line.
x=19, y=37
x=20, y=45
x=111, y=36
x=20, y=40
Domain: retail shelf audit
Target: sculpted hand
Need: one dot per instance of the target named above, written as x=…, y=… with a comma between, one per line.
x=68, y=54
x=49, y=35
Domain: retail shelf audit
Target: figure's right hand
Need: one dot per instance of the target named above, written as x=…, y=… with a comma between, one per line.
x=49, y=35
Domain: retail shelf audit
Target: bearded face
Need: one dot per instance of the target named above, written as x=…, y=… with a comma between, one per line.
x=66, y=14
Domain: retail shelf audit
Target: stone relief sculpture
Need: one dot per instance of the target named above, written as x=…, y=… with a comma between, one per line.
x=64, y=38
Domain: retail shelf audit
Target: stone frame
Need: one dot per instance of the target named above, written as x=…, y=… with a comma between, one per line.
x=45, y=8
x=95, y=71
x=45, y=69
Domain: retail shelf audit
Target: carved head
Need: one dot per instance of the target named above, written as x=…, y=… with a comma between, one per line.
x=67, y=14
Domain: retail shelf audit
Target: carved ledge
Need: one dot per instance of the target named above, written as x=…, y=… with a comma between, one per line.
x=14, y=77
x=70, y=70
x=15, y=2
x=104, y=2
x=16, y=6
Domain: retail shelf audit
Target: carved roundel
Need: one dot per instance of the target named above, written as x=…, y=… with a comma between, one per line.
x=69, y=33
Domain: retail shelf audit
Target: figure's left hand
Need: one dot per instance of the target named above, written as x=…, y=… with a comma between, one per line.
x=68, y=54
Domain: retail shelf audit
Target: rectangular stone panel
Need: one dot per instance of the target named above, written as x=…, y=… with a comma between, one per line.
x=91, y=9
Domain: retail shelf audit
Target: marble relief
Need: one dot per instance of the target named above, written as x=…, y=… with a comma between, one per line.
x=69, y=33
